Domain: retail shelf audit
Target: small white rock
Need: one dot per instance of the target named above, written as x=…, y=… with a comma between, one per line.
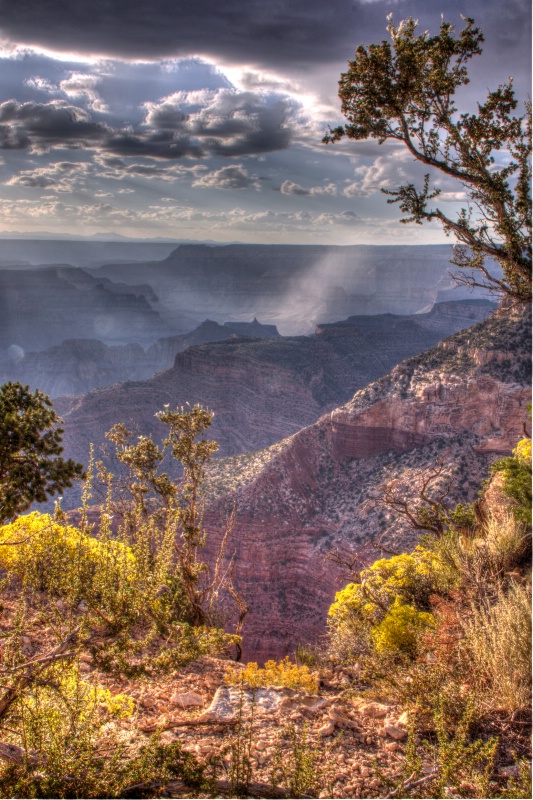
x=327, y=729
x=393, y=732
x=187, y=700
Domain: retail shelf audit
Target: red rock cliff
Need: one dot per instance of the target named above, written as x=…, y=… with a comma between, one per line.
x=464, y=401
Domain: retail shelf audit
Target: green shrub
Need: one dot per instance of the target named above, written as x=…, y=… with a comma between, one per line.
x=304, y=768
x=516, y=471
x=481, y=560
x=461, y=765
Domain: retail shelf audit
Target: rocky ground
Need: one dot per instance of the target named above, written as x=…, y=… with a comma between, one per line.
x=361, y=736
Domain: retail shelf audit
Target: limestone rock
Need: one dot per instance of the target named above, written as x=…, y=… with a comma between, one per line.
x=396, y=733
x=374, y=710
x=338, y=718
x=187, y=700
x=327, y=729
x=230, y=702
x=512, y=771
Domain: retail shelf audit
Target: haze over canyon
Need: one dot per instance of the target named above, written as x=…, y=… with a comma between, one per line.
x=330, y=371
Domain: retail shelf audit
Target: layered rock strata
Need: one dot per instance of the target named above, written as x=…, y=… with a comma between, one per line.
x=460, y=404
x=261, y=391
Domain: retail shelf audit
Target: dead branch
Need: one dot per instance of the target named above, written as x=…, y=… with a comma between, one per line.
x=350, y=562
x=243, y=612
x=187, y=723
x=410, y=783
x=33, y=670
x=17, y=755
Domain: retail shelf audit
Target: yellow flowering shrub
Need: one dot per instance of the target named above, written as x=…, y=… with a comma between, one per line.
x=282, y=673
x=523, y=450
x=516, y=471
x=60, y=559
x=385, y=611
x=400, y=629
x=411, y=576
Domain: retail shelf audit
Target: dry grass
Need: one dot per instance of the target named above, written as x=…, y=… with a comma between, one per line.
x=498, y=646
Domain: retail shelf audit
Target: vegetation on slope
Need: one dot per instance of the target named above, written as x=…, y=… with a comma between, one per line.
x=446, y=631
x=129, y=589
x=442, y=632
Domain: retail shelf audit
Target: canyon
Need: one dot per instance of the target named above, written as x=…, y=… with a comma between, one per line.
x=317, y=494
x=293, y=287
x=262, y=390
x=78, y=365
x=310, y=426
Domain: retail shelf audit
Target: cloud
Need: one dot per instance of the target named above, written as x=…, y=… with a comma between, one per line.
x=346, y=217
x=60, y=176
x=234, y=176
x=82, y=86
x=452, y=197
x=386, y=172
x=164, y=214
x=41, y=85
x=226, y=121
x=290, y=32
x=117, y=168
x=289, y=187
x=294, y=32
x=43, y=126
x=223, y=122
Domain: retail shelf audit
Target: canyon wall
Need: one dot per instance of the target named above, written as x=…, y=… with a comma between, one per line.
x=261, y=391
x=463, y=403
x=295, y=286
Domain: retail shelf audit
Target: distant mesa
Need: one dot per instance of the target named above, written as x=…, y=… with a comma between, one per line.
x=294, y=286
x=253, y=329
x=261, y=390
x=78, y=365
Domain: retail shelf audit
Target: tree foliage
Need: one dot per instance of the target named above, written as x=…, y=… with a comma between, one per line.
x=31, y=466
x=404, y=91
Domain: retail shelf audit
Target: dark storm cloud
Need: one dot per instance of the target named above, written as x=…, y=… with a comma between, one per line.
x=299, y=32
x=42, y=126
x=221, y=122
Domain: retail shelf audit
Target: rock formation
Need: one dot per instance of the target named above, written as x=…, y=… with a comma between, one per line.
x=263, y=390
x=464, y=402
x=294, y=286
x=78, y=365
x=162, y=353
x=40, y=308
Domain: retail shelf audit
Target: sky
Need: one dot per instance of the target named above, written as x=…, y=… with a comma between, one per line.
x=203, y=120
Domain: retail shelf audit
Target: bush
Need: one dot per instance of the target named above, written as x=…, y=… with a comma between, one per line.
x=390, y=603
x=480, y=561
x=60, y=560
x=305, y=768
x=283, y=673
x=400, y=629
x=62, y=722
x=516, y=471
